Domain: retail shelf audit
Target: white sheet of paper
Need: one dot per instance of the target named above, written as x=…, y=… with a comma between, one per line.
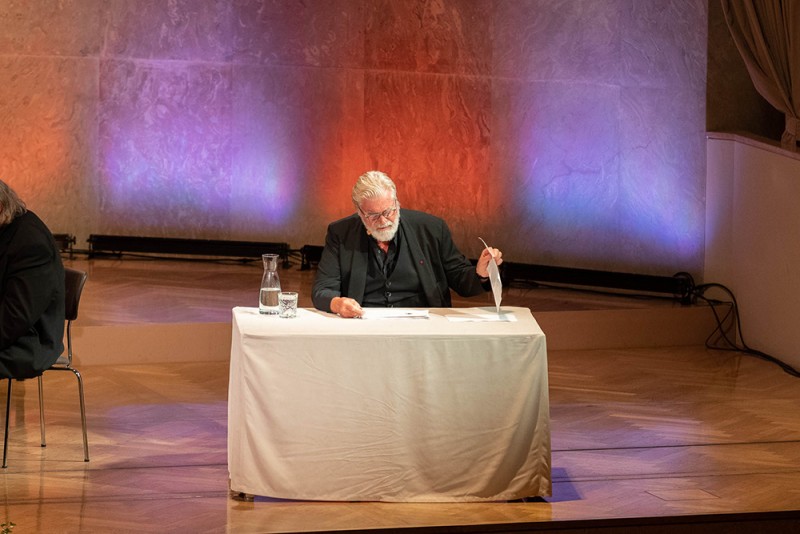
x=394, y=313
x=488, y=316
x=494, y=278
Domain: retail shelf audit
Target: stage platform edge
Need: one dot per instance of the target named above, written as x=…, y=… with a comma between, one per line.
x=117, y=344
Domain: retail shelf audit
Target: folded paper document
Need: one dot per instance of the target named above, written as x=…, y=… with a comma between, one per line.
x=494, y=278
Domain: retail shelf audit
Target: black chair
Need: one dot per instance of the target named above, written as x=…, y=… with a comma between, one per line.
x=74, y=282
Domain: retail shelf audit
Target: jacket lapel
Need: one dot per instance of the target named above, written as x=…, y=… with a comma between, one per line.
x=358, y=264
x=421, y=264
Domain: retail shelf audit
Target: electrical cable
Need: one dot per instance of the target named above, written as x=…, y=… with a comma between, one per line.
x=719, y=338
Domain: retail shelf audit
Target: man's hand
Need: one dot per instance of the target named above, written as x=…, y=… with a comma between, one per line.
x=482, y=268
x=346, y=307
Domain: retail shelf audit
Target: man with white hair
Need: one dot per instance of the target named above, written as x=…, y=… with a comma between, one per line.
x=31, y=291
x=382, y=256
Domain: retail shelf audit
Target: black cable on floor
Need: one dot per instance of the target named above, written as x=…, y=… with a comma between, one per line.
x=719, y=338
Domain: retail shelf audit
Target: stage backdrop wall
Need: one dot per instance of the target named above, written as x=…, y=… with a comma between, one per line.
x=564, y=132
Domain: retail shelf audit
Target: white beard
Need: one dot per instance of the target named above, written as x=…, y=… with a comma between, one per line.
x=386, y=233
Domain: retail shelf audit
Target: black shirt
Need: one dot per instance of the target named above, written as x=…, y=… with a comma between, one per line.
x=392, y=279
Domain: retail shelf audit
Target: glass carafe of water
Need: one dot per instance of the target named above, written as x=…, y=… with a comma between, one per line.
x=270, y=286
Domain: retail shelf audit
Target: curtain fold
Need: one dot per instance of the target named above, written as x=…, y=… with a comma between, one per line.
x=767, y=34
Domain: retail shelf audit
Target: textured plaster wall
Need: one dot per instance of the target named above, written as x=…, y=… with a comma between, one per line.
x=566, y=132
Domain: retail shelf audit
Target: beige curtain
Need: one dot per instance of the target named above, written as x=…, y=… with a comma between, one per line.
x=767, y=34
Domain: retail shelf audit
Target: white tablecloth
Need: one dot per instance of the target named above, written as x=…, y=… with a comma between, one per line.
x=325, y=408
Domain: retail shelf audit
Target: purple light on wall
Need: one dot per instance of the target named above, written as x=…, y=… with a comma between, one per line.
x=266, y=187
x=165, y=147
x=595, y=215
x=268, y=157
x=568, y=150
x=175, y=186
x=601, y=185
x=657, y=213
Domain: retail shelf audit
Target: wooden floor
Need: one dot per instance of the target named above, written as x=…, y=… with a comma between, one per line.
x=641, y=437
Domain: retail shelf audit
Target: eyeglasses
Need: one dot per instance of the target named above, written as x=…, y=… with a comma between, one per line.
x=375, y=217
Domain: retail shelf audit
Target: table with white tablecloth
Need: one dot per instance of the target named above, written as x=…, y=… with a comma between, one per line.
x=448, y=407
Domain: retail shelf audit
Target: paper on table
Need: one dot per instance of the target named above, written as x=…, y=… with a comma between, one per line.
x=393, y=313
x=494, y=278
x=466, y=316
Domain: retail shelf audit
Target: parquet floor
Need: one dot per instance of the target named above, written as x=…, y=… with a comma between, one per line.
x=636, y=432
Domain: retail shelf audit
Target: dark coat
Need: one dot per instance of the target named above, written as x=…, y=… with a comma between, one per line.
x=342, y=270
x=31, y=298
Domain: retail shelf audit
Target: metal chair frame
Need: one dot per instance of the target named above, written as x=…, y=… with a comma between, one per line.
x=75, y=281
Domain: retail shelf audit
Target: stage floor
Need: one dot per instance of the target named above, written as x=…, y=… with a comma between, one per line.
x=643, y=435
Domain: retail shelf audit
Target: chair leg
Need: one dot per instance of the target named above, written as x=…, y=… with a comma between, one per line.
x=41, y=411
x=83, y=415
x=83, y=408
x=8, y=412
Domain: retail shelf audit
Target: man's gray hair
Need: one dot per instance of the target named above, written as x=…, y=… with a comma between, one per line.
x=372, y=184
x=11, y=206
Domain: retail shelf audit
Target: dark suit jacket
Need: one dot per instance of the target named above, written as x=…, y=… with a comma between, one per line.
x=342, y=268
x=31, y=298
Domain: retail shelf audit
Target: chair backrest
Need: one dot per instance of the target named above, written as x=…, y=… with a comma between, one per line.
x=73, y=282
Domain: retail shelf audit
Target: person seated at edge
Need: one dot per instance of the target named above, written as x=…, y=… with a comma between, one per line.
x=382, y=256
x=31, y=291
